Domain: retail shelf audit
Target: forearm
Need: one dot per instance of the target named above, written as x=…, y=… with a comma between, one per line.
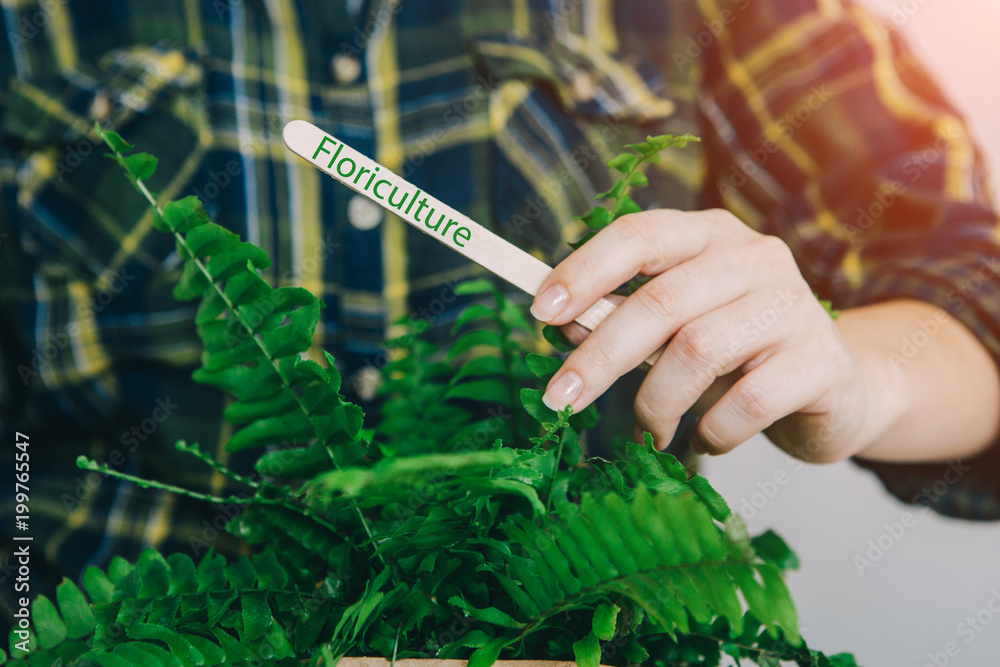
x=933, y=389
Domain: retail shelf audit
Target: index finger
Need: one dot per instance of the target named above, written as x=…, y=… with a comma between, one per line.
x=645, y=243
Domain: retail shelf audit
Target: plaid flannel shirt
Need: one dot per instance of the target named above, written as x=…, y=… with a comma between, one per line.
x=818, y=126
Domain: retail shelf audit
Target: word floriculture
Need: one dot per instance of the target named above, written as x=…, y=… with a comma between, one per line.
x=346, y=167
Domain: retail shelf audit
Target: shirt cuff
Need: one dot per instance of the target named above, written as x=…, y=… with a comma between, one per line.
x=968, y=288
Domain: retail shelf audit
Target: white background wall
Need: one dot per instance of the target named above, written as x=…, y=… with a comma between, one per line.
x=912, y=601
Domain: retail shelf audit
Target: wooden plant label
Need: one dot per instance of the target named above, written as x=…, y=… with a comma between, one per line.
x=431, y=216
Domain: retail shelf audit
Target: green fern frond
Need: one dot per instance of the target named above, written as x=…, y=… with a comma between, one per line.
x=253, y=334
x=642, y=465
x=630, y=165
x=170, y=611
x=495, y=375
x=414, y=414
x=428, y=393
x=665, y=554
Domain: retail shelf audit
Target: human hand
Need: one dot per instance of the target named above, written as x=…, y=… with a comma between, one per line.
x=746, y=340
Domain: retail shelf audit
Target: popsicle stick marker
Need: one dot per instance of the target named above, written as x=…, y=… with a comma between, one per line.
x=431, y=216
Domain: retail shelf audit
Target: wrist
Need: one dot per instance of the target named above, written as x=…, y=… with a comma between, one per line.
x=882, y=388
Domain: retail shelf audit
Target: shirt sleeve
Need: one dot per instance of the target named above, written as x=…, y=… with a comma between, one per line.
x=821, y=127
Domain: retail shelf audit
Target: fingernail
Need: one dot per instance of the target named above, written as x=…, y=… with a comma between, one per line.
x=550, y=303
x=563, y=391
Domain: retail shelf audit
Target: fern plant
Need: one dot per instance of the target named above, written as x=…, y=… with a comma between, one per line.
x=466, y=523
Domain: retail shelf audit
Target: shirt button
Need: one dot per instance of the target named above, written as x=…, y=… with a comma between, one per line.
x=367, y=382
x=363, y=213
x=345, y=68
x=583, y=86
x=100, y=106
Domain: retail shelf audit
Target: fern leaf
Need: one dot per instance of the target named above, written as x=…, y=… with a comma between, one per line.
x=256, y=616
x=76, y=613
x=474, y=339
x=587, y=651
x=488, y=654
x=485, y=366
x=49, y=626
x=542, y=366
x=473, y=313
x=177, y=643
x=393, y=477
x=98, y=587
x=666, y=555
x=475, y=286
x=490, y=390
x=605, y=621
x=295, y=463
